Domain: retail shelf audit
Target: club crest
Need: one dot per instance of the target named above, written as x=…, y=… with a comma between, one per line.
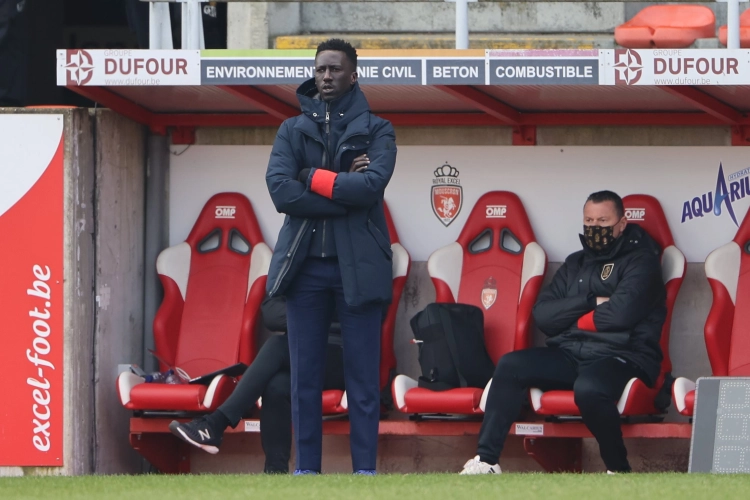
x=447, y=194
x=607, y=271
x=489, y=292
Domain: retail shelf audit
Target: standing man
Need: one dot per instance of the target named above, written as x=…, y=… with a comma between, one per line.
x=328, y=171
x=603, y=313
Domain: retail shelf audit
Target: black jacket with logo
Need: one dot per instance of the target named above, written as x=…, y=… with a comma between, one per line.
x=629, y=324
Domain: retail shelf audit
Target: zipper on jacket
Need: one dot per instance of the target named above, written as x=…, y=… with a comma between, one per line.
x=290, y=256
x=328, y=161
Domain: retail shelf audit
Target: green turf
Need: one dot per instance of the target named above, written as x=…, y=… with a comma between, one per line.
x=396, y=486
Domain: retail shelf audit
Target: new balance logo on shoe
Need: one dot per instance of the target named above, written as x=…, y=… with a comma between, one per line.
x=199, y=432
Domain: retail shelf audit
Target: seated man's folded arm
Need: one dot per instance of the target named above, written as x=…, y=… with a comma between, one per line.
x=554, y=311
x=638, y=292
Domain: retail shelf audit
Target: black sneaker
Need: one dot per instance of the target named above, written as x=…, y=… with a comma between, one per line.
x=200, y=433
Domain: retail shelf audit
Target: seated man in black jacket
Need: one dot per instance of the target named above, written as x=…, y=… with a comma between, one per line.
x=603, y=313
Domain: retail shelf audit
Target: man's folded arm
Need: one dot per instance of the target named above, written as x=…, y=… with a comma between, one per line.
x=638, y=292
x=289, y=195
x=554, y=312
x=360, y=189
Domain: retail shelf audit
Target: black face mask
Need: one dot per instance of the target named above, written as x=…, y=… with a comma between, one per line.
x=599, y=238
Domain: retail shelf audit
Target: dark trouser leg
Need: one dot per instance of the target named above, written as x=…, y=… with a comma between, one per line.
x=309, y=304
x=360, y=330
x=276, y=423
x=543, y=367
x=272, y=358
x=597, y=390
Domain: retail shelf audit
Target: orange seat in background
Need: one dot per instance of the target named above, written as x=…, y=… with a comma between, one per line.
x=744, y=31
x=667, y=27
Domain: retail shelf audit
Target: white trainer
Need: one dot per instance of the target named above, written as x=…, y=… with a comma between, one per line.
x=476, y=466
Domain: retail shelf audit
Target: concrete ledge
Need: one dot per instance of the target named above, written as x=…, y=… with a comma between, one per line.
x=447, y=41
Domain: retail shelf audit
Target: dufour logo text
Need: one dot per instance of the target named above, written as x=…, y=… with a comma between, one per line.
x=721, y=198
x=225, y=212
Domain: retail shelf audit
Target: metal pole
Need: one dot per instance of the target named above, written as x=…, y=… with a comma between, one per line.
x=159, y=26
x=157, y=236
x=733, y=24
x=462, y=24
x=192, y=25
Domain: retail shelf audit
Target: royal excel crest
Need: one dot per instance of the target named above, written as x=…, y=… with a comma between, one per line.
x=447, y=194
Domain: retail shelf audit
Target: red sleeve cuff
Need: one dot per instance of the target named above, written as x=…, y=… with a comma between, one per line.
x=586, y=322
x=322, y=182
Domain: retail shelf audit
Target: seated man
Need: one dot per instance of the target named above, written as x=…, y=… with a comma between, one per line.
x=603, y=313
x=267, y=376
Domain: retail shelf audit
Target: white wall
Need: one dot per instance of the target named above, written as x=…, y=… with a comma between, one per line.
x=553, y=182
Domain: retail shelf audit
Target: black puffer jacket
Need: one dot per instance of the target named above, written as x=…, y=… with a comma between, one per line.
x=629, y=324
x=355, y=206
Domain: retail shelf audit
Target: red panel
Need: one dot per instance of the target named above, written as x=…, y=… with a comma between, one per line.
x=167, y=322
x=689, y=403
x=718, y=329
x=525, y=306
x=464, y=401
x=442, y=291
x=736, y=96
x=33, y=298
x=500, y=319
x=162, y=396
x=394, y=427
x=739, y=350
x=558, y=403
x=186, y=99
x=655, y=224
x=332, y=402
x=187, y=397
x=641, y=399
x=584, y=98
x=249, y=320
x=387, y=354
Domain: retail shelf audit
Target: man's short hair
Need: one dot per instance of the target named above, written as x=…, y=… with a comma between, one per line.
x=341, y=46
x=602, y=196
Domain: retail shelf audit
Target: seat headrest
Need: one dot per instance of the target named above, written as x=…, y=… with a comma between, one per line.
x=226, y=212
x=497, y=211
x=742, y=238
x=646, y=211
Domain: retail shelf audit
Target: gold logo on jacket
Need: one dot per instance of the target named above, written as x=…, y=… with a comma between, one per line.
x=607, y=271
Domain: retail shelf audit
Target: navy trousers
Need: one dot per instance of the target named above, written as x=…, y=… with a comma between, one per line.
x=311, y=299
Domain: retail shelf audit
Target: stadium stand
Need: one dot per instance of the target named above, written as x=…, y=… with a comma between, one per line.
x=497, y=242
x=666, y=26
x=214, y=283
x=637, y=399
x=744, y=31
x=725, y=331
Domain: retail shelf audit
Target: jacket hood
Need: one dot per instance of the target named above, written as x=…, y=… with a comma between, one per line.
x=633, y=239
x=341, y=110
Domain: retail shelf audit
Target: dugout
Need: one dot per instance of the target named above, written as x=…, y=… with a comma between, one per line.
x=124, y=183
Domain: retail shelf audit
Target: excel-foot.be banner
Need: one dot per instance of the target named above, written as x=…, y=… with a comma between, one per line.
x=31, y=290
